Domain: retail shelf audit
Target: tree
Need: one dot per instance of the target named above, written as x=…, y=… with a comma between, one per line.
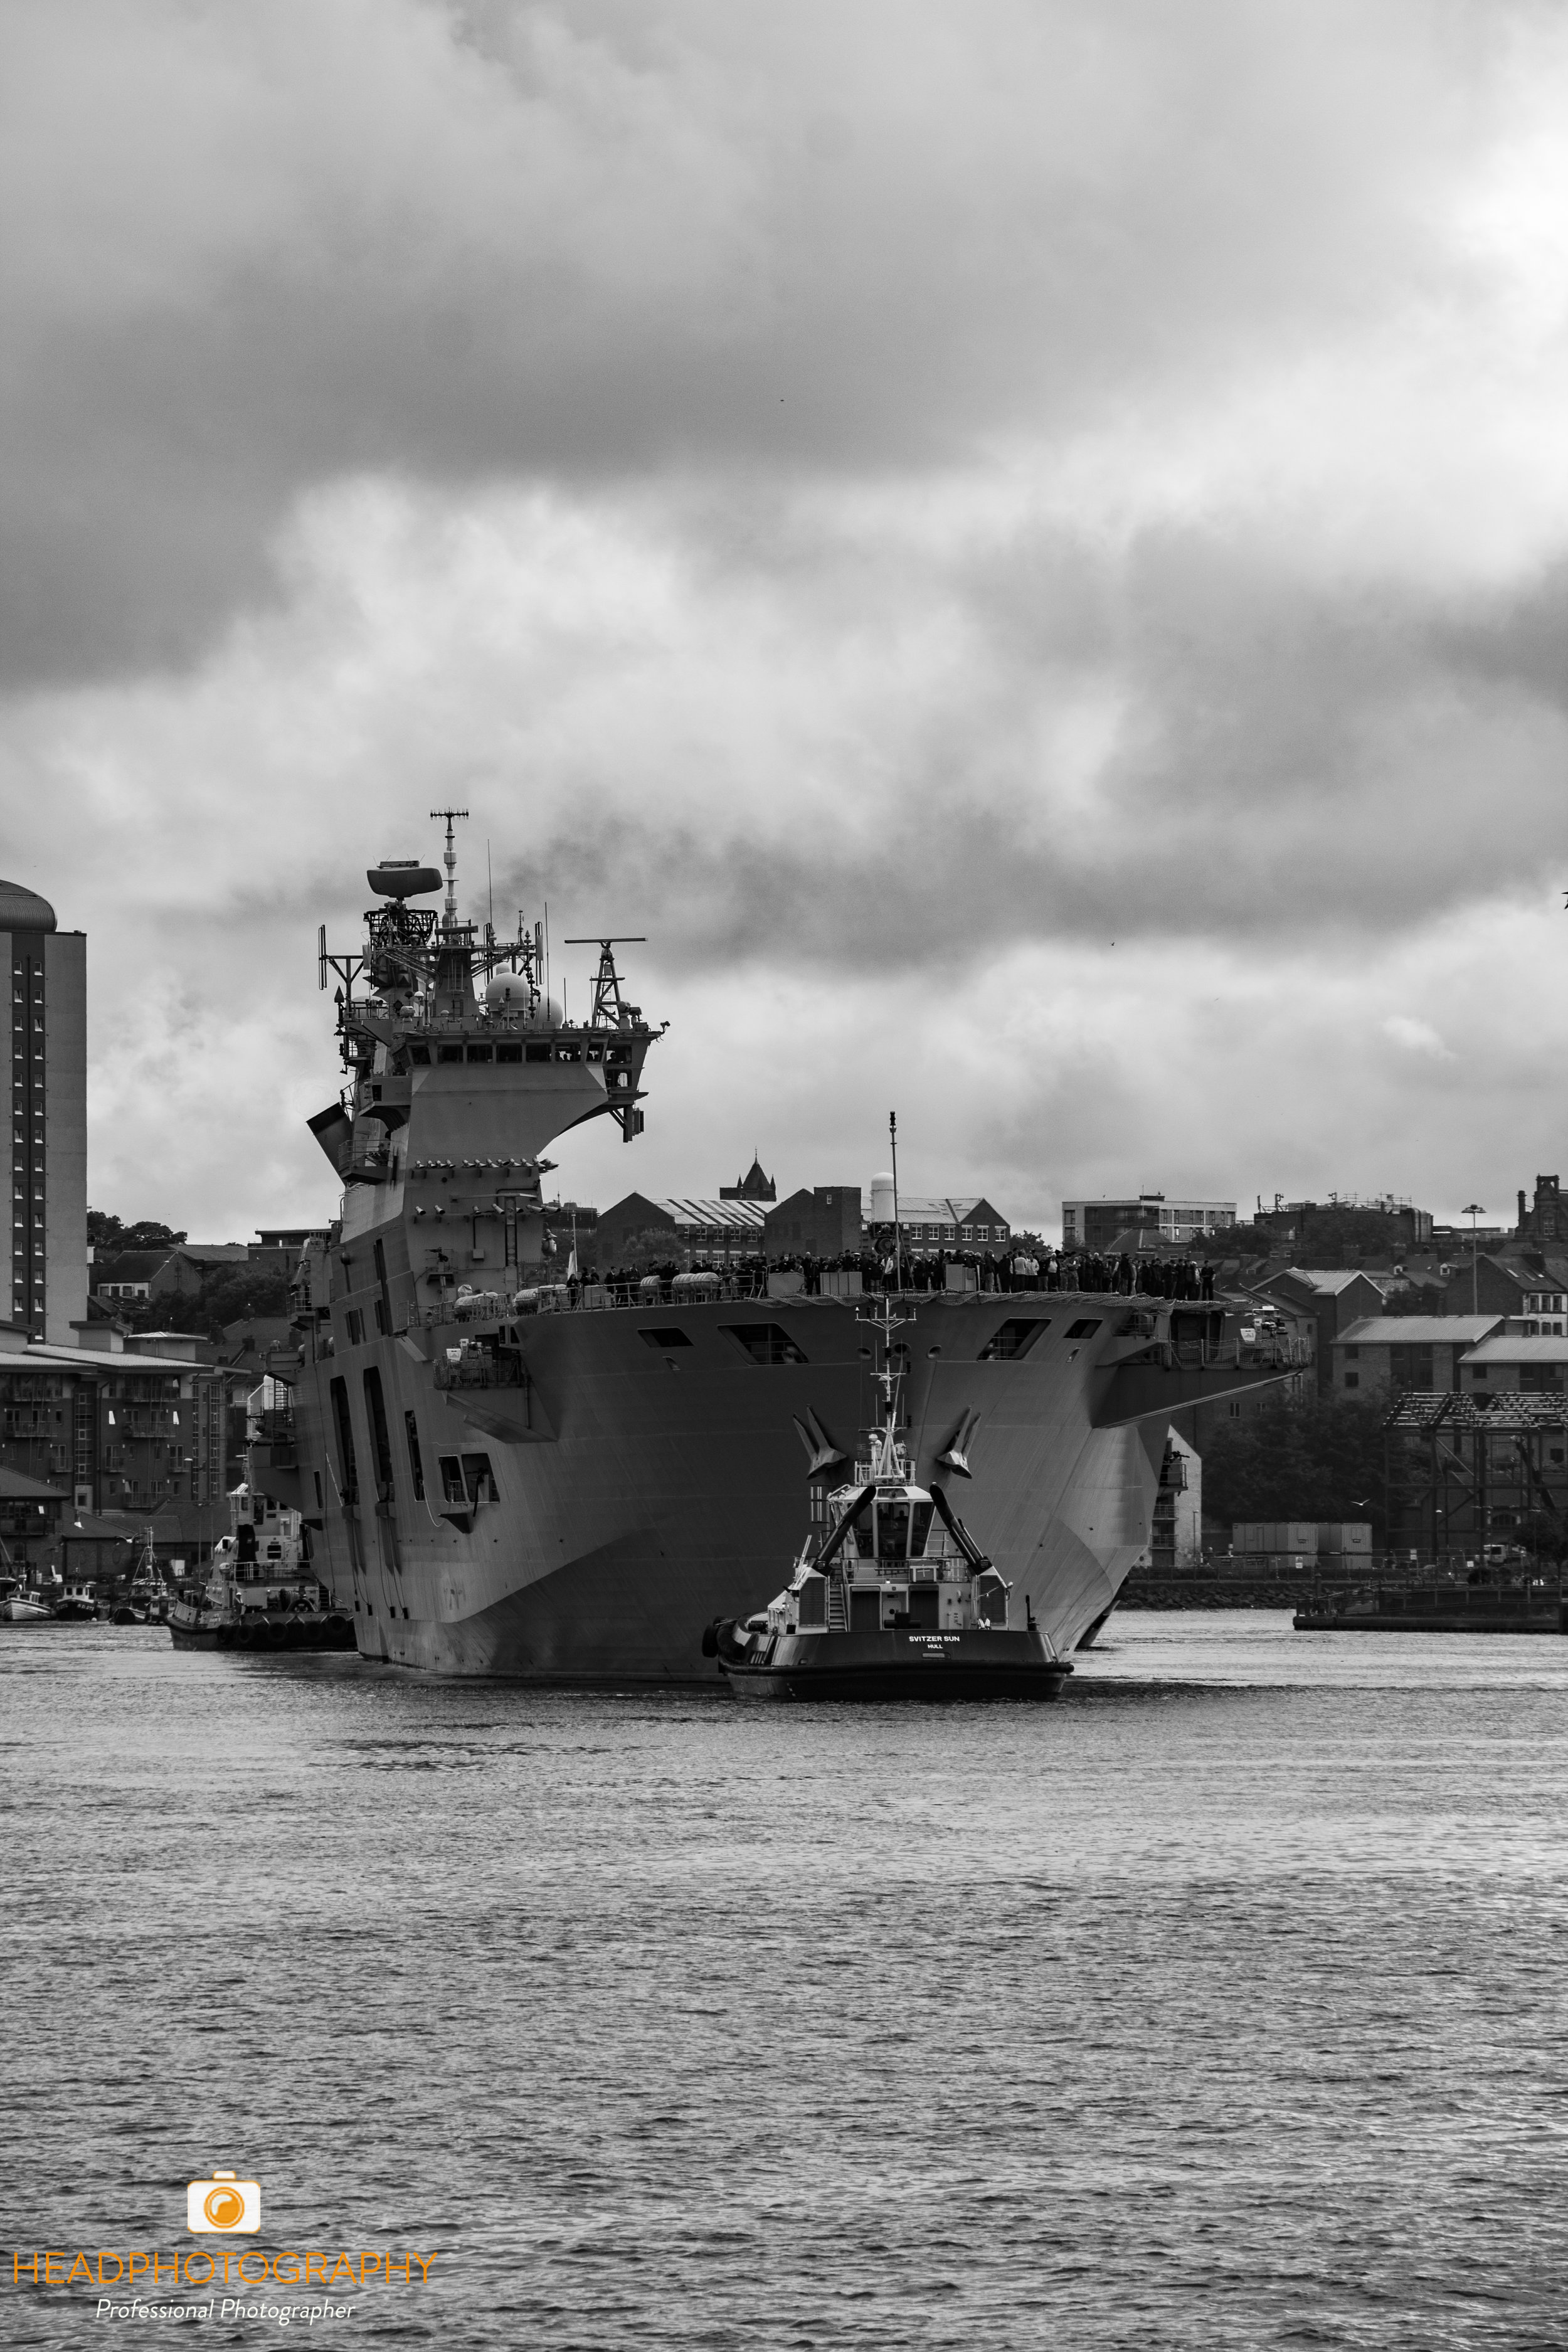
x=109, y=1236
x=230, y=1294
x=1317, y=1458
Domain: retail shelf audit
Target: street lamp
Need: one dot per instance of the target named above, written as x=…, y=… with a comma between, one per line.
x=1474, y=1211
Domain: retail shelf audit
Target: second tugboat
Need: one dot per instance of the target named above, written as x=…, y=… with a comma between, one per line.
x=255, y=1598
x=897, y=1601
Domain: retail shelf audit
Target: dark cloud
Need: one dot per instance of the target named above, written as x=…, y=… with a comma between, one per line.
x=886, y=500
x=260, y=250
x=1293, y=764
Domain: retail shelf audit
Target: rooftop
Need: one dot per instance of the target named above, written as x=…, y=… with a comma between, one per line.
x=1419, y=1330
x=22, y=909
x=741, y=1215
x=1329, y=1281
x=1510, y=1349
x=15, y=1486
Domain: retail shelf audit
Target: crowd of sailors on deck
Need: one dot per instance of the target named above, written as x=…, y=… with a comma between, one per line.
x=1033, y=1268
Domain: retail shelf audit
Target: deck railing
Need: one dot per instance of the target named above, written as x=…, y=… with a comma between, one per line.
x=686, y=1291
x=504, y=1370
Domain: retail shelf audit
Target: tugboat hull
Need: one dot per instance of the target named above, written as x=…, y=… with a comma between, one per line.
x=256, y=1631
x=932, y=1668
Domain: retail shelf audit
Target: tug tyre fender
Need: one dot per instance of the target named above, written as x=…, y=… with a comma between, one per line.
x=712, y=1632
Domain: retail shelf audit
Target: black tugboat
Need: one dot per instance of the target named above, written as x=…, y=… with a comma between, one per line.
x=252, y=1599
x=895, y=1600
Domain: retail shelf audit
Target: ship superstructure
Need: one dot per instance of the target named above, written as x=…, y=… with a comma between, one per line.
x=504, y=1475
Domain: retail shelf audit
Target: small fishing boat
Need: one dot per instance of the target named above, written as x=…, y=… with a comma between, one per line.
x=23, y=1604
x=892, y=1598
x=145, y=1600
x=79, y=1603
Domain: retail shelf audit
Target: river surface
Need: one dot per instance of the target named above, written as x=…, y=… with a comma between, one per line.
x=1222, y=2004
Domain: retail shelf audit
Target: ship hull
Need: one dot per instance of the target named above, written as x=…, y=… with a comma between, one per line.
x=261, y=1633
x=640, y=1486
x=929, y=1669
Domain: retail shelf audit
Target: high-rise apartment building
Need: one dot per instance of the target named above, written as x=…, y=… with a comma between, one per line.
x=48, y=1118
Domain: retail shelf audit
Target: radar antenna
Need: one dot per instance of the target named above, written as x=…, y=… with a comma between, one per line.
x=608, y=1002
x=449, y=911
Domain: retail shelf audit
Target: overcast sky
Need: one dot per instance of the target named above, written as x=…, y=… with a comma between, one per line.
x=1025, y=546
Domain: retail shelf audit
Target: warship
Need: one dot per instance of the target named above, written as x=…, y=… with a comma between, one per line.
x=504, y=1475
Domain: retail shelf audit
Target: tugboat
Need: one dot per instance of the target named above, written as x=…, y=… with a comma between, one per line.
x=252, y=1600
x=897, y=1601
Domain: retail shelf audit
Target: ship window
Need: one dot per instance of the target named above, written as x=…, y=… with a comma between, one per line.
x=420, y=1053
x=452, y=1479
x=923, y=1528
x=1016, y=1336
x=568, y=1052
x=765, y=1343
x=448, y=1052
x=349, y=1483
x=381, y=1440
x=479, y=1478
x=663, y=1335
x=892, y=1530
x=509, y=1053
x=481, y=1053
x=353, y=1322
x=536, y=1053
x=1083, y=1326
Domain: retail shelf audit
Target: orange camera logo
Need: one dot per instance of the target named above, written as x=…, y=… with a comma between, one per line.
x=223, y=2204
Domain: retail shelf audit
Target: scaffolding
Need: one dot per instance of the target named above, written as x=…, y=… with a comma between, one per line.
x=1464, y=1475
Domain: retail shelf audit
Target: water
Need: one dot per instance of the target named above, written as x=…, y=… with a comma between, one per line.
x=1222, y=2004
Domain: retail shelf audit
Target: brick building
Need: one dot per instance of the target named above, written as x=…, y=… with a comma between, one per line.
x=930, y=1221
x=1517, y=1286
x=1099, y=1225
x=1515, y=1362
x=1333, y=1297
x=819, y=1221
x=1545, y=1219
x=1384, y=1355
x=639, y=1229
x=114, y=1428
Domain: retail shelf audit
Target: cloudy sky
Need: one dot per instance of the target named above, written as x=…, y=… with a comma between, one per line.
x=1025, y=546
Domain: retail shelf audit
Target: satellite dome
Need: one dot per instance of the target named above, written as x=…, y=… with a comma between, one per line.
x=882, y=1197
x=547, y=1014
x=22, y=909
x=508, y=991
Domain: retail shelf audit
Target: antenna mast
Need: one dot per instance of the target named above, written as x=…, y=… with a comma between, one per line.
x=449, y=912
x=898, y=1229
